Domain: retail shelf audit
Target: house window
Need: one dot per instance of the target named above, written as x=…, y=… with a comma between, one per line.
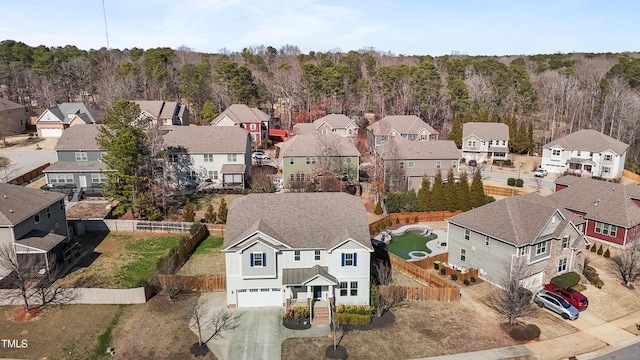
x=258, y=260
x=348, y=160
x=311, y=160
x=472, y=143
x=317, y=255
x=411, y=164
x=578, y=154
x=60, y=178
x=354, y=288
x=48, y=212
x=555, y=152
x=215, y=175
x=606, y=170
x=252, y=126
x=490, y=142
x=438, y=165
x=296, y=255
x=208, y=157
x=173, y=158
x=541, y=248
x=232, y=157
x=193, y=175
x=454, y=164
x=565, y=242
x=61, y=204
x=598, y=227
x=613, y=231
x=463, y=255
x=522, y=251
x=401, y=164
x=562, y=265
x=487, y=241
x=344, y=291
x=36, y=218
x=349, y=259
x=423, y=137
x=81, y=156
x=608, y=157
x=292, y=160
x=98, y=178
x=467, y=234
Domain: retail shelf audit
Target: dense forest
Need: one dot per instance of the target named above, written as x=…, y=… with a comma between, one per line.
x=551, y=95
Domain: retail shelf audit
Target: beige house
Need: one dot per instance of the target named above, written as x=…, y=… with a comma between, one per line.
x=338, y=124
x=164, y=112
x=528, y=229
x=485, y=141
x=407, y=162
x=409, y=127
x=13, y=117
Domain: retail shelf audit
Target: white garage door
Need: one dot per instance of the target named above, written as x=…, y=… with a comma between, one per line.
x=259, y=297
x=533, y=282
x=51, y=132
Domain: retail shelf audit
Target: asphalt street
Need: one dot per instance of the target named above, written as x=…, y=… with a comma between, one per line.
x=23, y=161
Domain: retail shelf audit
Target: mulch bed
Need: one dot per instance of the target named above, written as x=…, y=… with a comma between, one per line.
x=297, y=324
x=24, y=315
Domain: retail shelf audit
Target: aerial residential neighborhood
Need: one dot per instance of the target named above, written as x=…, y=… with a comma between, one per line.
x=265, y=202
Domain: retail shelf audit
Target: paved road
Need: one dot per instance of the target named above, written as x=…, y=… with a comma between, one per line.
x=546, y=182
x=628, y=353
x=23, y=161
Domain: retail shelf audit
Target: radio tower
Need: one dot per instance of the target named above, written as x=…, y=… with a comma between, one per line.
x=106, y=31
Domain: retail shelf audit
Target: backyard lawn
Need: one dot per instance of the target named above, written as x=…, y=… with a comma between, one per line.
x=121, y=260
x=201, y=202
x=206, y=260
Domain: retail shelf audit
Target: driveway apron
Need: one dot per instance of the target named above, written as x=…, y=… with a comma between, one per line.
x=258, y=335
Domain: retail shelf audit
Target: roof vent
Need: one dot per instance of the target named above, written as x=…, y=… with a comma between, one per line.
x=4, y=196
x=11, y=211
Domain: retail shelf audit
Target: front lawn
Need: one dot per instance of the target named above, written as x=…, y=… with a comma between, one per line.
x=206, y=260
x=122, y=260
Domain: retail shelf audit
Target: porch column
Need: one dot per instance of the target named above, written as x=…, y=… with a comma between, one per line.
x=309, y=294
x=330, y=296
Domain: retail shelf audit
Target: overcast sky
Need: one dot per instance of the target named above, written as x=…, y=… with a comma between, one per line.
x=409, y=27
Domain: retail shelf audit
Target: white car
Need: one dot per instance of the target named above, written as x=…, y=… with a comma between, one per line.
x=259, y=155
x=540, y=172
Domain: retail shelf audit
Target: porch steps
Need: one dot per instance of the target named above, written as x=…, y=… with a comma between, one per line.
x=320, y=315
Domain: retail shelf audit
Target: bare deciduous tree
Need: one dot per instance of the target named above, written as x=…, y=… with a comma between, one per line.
x=22, y=273
x=207, y=321
x=513, y=300
x=166, y=283
x=392, y=296
x=627, y=264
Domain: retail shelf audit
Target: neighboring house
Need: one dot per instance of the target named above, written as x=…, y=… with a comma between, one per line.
x=407, y=162
x=79, y=164
x=331, y=124
x=294, y=248
x=409, y=127
x=196, y=153
x=307, y=157
x=485, y=141
x=164, y=112
x=34, y=223
x=611, y=211
x=253, y=120
x=547, y=239
x=13, y=118
x=586, y=153
x=53, y=121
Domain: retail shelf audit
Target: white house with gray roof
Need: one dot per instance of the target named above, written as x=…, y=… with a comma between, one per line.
x=529, y=229
x=284, y=249
x=34, y=224
x=586, y=153
x=53, y=121
x=485, y=141
x=409, y=127
x=338, y=124
x=407, y=162
x=196, y=153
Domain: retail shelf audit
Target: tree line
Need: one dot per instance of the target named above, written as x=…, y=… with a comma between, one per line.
x=552, y=94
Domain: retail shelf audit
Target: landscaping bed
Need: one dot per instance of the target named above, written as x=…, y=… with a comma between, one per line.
x=206, y=260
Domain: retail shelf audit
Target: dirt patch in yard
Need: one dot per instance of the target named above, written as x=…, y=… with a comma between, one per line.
x=89, y=210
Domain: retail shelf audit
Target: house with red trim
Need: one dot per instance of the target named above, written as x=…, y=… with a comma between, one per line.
x=611, y=210
x=255, y=121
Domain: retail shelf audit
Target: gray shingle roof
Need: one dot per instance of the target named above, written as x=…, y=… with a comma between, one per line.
x=17, y=203
x=241, y=113
x=399, y=148
x=66, y=166
x=600, y=200
x=318, y=145
x=304, y=128
x=515, y=220
x=62, y=111
x=486, y=130
x=208, y=139
x=8, y=105
x=233, y=168
x=79, y=137
x=159, y=109
x=405, y=124
x=40, y=240
x=589, y=140
x=299, y=220
x=337, y=121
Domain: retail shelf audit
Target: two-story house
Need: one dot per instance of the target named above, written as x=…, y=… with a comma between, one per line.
x=221, y=154
x=255, y=121
x=53, y=121
x=307, y=157
x=409, y=127
x=79, y=164
x=611, y=210
x=586, y=153
x=13, y=117
x=338, y=124
x=529, y=229
x=314, y=246
x=34, y=223
x=485, y=141
x=164, y=113
x=407, y=162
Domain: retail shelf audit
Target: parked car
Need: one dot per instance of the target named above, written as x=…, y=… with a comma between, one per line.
x=209, y=184
x=540, y=172
x=575, y=298
x=553, y=302
x=260, y=155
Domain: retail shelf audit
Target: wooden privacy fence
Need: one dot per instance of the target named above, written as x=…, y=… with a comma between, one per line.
x=502, y=191
x=216, y=229
x=194, y=283
x=410, y=218
x=183, y=253
x=29, y=175
x=417, y=272
x=424, y=293
x=633, y=176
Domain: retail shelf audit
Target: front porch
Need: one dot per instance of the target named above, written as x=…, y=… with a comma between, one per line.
x=581, y=167
x=313, y=287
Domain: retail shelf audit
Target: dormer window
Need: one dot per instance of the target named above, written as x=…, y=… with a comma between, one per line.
x=81, y=156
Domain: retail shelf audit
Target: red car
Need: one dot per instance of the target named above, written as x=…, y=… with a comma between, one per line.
x=575, y=298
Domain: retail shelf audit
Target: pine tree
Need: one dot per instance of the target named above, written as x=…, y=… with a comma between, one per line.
x=450, y=192
x=467, y=116
x=222, y=211
x=456, y=131
x=424, y=195
x=189, y=213
x=438, y=201
x=476, y=192
x=208, y=113
x=464, y=199
x=530, y=143
x=513, y=131
x=210, y=215
x=521, y=139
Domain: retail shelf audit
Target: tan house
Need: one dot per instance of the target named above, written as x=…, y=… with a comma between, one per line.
x=409, y=127
x=13, y=117
x=407, y=162
x=529, y=229
x=53, y=121
x=338, y=124
x=254, y=120
x=164, y=112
